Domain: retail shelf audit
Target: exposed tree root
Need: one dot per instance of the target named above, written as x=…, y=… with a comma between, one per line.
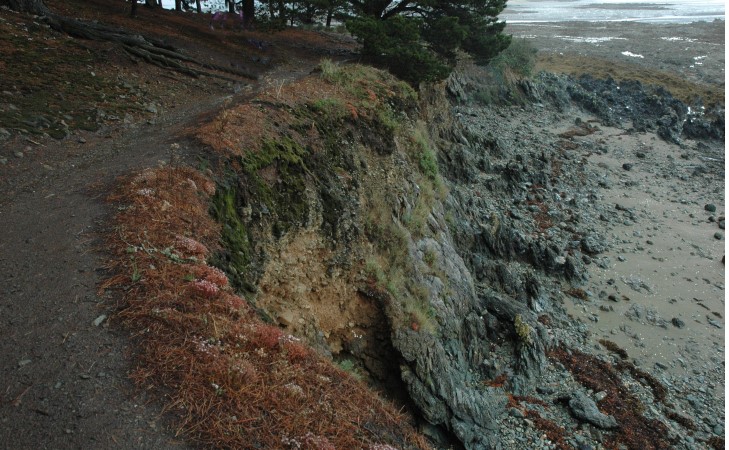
x=150, y=50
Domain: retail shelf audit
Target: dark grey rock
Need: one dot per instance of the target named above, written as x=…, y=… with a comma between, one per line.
x=516, y=412
x=710, y=207
x=678, y=323
x=593, y=244
x=718, y=236
x=585, y=409
x=627, y=166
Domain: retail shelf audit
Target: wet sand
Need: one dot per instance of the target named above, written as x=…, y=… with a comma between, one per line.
x=661, y=293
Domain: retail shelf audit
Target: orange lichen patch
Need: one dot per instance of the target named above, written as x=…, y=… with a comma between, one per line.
x=231, y=380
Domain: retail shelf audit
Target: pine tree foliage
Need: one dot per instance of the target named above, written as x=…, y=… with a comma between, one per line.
x=418, y=39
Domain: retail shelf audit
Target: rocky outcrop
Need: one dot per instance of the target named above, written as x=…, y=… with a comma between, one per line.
x=647, y=108
x=437, y=278
x=585, y=409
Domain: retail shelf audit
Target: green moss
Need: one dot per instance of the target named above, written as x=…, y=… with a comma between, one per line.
x=235, y=257
x=523, y=330
x=285, y=196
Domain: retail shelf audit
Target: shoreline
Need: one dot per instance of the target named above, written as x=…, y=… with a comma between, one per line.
x=656, y=290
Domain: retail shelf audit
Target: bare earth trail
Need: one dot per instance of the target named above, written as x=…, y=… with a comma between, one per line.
x=64, y=367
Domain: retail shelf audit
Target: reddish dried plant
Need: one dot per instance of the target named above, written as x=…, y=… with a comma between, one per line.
x=231, y=380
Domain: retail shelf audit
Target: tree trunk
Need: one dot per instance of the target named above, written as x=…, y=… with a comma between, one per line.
x=36, y=7
x=249, y=12
x=134, y=8
x=199, y=7
x=151, y=3
x=231, y=6
x=282, y=11
x=330, y=13
x=178, y=5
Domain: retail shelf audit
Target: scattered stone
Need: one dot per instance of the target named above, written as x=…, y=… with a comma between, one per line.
x=516, y=412
x=99, y=320
x=84, y=376
x=627, y=166
x=545, y=390
x=678, y=323
x=18, y=154
x=3, y=161
x=585, y=409
x=24, y=362
x=718, y=236
x=561, y=260
x=81, y=140
x=710, y=207
x=593, y=244
x=713, y=322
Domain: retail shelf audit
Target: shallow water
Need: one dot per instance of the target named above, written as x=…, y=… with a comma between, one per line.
x=668, y=11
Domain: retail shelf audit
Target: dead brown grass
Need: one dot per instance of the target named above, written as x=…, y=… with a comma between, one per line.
x=232, y=381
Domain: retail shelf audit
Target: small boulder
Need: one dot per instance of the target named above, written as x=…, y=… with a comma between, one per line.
x=585, y=409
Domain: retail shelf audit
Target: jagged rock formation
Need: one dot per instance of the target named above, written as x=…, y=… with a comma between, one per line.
x=432, y=277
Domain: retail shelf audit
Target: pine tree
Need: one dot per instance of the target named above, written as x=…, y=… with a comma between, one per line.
x=418, y=39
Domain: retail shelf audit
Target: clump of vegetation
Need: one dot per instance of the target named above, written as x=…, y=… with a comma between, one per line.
x=498, y=82
x=423, y=46
x=577, y=293
x=522, y=330
x=659, y=391
x=614, y=348
x=682, y=420
x=716, y=443
x=235, y=255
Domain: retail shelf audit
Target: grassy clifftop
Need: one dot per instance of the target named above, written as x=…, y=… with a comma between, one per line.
x=318, y=183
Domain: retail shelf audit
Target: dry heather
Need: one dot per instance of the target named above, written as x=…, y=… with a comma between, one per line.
x=232, y=381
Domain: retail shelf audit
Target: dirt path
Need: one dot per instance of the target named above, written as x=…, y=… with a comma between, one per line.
x=64, y=361
x=65, y=373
